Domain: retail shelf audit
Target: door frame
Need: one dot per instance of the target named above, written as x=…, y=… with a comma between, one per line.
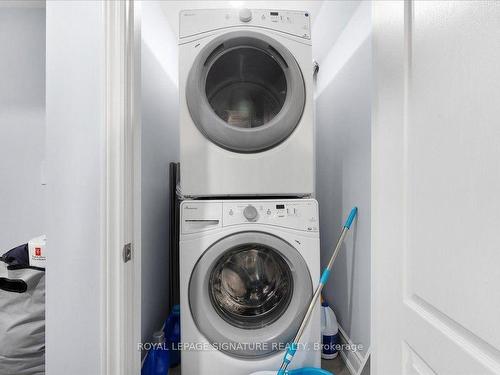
x=121, y=314
x=388, y=221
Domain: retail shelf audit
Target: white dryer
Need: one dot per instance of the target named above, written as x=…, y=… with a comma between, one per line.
x=246, y=103
x=247, y=273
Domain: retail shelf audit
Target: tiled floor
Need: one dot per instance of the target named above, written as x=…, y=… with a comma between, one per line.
x=336, y=366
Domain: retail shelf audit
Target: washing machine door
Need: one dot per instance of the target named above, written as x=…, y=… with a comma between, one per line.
x=245, y=92
x=248, y=294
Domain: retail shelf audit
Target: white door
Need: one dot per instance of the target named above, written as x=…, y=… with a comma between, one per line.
x=436, y=188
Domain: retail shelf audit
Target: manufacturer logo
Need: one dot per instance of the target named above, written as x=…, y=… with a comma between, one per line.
x=38, y=251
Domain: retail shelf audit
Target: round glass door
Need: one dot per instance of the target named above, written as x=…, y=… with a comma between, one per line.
x=245, y=92
x=246, y=87
x=251, y=286
x=247, y=289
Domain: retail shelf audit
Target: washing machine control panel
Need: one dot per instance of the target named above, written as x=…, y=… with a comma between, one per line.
x=204, y=215
x=193, y=22
x=300, y=214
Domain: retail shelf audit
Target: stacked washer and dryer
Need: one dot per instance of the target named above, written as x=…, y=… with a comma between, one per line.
x=249, y=233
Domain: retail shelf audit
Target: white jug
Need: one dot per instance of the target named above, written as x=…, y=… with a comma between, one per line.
x=330, y=338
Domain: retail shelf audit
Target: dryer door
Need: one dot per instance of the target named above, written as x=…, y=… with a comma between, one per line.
x=248, y=294
x=245, y=92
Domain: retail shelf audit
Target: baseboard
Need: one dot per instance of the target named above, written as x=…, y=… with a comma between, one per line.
x=354, y=361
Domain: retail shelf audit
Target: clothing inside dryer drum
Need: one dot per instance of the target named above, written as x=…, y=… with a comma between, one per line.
x=246, y=86
x=251, y=286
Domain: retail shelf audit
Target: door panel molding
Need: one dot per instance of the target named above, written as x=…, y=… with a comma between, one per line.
x=414, y=364
x=422, y=313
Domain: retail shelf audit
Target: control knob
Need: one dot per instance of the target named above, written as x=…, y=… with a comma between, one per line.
x=245, y=15
x=250, y=213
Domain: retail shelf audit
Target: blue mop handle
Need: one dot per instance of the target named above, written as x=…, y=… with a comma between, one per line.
x=324, y=278
x=347, y=226
x=290, y=352
x=351, y=217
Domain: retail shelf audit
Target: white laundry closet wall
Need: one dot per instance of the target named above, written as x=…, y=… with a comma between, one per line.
x=22, y=122
x=342, y=46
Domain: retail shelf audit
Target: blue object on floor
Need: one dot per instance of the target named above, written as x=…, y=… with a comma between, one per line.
x=158, y=359
x=309, y=371
x=172, y=332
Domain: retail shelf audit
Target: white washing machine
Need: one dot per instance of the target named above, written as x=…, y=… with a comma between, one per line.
x=247, y=273
x=246, y=103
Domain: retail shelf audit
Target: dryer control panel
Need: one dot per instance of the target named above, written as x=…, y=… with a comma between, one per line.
x=298, y=214
x=193, y=22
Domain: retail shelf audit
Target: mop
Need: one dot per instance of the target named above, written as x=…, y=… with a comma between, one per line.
x=292, y=348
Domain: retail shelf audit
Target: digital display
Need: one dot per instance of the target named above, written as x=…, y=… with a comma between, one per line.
x=274, y=13
x=280, y=206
